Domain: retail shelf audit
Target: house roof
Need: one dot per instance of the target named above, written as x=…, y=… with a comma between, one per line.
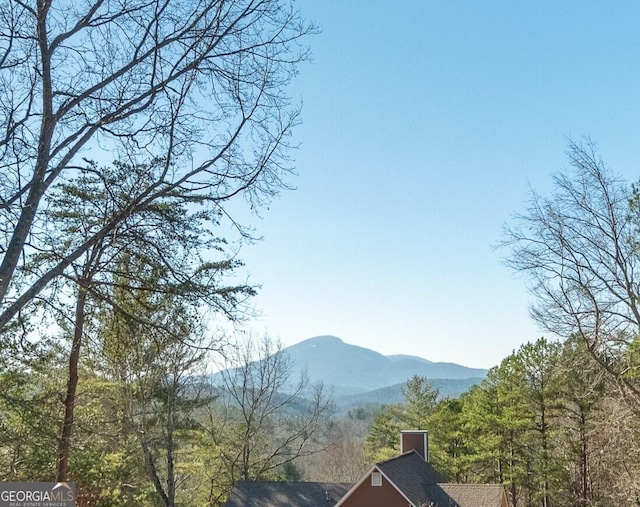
x=478, y=495
x=409, y=468
x=409, y=474
x=421, y=484
x=278, y=494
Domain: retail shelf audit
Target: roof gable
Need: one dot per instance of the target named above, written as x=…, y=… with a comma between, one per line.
x=418, y=482
x=411, y=475
x=408, y=473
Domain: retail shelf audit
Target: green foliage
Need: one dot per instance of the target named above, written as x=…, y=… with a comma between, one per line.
x=28, y=424
x=632, y=361
x=363, y=414
x=290, y=472
x=546, y=423
x=448, y=447
x=419, y=401
x=383, y=440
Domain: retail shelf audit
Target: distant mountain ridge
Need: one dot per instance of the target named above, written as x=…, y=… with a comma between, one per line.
x=391, y=395
x=353, y=370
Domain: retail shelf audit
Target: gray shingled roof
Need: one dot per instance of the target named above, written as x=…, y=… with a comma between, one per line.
x=412, y=475
x=410, y=465
x=422, y=484
x=476, y=495
x=279, y=494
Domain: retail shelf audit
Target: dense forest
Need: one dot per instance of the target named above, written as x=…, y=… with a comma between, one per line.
x=150, y=429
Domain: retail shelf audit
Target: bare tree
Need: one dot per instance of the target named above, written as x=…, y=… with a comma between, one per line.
x=273, y=417
x=196, y=86
x=344, y=459
x=579, y=251
x=583, y=393
x=615, y=467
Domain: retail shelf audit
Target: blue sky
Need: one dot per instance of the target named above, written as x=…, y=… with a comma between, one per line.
x=425, y=126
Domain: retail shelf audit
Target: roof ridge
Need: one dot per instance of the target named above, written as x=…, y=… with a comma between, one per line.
x=288, y=482
x=401, y=456
x=473, y=484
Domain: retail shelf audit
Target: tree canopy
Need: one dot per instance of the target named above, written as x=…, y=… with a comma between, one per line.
x=191, y=95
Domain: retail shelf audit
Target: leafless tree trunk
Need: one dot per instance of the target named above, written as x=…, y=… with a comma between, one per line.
x=72, y=384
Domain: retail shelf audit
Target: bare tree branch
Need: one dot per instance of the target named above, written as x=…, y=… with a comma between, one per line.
x=198, y=85
x=579, y=251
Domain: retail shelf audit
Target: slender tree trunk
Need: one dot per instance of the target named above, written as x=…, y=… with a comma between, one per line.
x=64, y=444
x=584, y=459
x=512, y=465
x=153, y=472
x=171, y=423
x=545, y=453
x=171, y=479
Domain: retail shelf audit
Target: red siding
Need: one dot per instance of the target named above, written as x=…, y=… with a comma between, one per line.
x=367, y=495
x=415, y=440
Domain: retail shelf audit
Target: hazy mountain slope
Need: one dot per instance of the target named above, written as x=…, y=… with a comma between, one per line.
x=351, y=369
x=400, y=357
x=346, y=367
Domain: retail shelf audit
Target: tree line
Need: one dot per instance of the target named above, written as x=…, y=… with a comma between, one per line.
x=547, y=423
x=152, y=426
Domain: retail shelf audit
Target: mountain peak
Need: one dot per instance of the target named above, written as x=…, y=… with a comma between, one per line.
x=322, y=340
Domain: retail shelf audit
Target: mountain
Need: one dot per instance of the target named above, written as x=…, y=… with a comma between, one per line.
x=352, y=370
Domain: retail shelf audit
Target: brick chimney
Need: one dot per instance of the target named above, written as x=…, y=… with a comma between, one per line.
x=417, y=440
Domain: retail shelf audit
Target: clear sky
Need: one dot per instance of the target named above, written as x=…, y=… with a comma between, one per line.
x=425, y=125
